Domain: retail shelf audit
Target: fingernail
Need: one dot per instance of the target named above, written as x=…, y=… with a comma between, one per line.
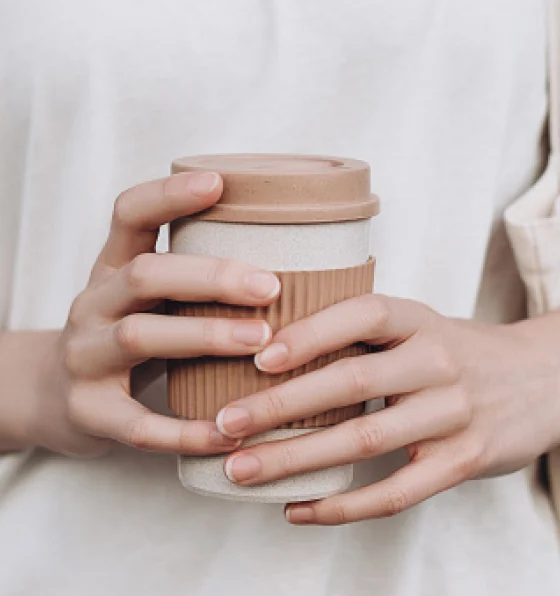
x=272, y=357
x=252, y=333
x=232, y=420
x=242, y=467
x=262, y=285
x=220, y=440
x=204, y=183
x=299, y=514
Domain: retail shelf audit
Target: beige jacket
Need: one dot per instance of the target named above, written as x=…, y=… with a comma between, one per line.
x=533, y=223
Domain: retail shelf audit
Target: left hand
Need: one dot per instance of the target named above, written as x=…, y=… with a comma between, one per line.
x=466, y=400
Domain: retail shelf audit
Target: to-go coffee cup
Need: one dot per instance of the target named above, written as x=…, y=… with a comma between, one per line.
x=307, y=219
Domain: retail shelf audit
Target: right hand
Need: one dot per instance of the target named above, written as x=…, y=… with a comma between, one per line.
x=111, y=328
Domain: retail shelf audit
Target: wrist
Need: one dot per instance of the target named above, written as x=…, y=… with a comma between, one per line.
x=541, y=337
x=27, y=378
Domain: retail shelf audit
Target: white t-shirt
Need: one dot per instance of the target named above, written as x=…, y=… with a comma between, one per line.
x=445, y=100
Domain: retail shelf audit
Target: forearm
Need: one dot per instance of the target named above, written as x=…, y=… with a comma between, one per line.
x=24, y=356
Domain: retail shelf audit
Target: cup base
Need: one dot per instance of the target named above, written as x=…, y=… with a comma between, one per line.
x=205, y=475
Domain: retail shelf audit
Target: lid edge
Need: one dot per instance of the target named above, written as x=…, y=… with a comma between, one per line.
x=292, y=214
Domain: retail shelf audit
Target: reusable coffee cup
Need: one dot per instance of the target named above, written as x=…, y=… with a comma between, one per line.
x=307, y=219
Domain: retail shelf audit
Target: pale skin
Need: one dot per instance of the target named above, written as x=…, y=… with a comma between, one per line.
x=69, y=390
x=466, y=400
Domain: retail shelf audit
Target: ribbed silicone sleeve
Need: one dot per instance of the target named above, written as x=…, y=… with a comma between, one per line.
x=198, y=388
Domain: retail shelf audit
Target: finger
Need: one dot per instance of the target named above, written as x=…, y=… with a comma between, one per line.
x=141, y=210
x=187, y=278
x=404, y=369
x=371, y=318
x=139, y=337
x=405, y=488
x=416, y=418
x=106, y=411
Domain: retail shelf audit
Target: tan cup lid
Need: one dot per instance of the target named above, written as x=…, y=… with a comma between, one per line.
x=286, y=189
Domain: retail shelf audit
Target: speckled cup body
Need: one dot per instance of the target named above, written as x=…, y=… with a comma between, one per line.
x=281, y=247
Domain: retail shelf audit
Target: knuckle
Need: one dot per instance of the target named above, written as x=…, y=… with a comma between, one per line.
x=445, y=364
x=169, y=188
x=137, y=433
x=121, y=211
x=274, y=405
x=139, y=272
x=338, y=513
x=221, y=273
x=357, y=376
x=73, y=355
x=468, y=463
x=367, y=437
x=184, y=440
x=377, y=312
x=396, y=501
x=78, y=311
x=289, y=460
x=213, y=334
x=309, y=333
x=128, y=336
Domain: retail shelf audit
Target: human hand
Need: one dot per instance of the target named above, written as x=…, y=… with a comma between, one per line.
x=86, y=402
x=465, y=399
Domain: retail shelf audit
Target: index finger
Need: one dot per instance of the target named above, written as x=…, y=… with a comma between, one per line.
x=372, y=318
x=140, y=211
